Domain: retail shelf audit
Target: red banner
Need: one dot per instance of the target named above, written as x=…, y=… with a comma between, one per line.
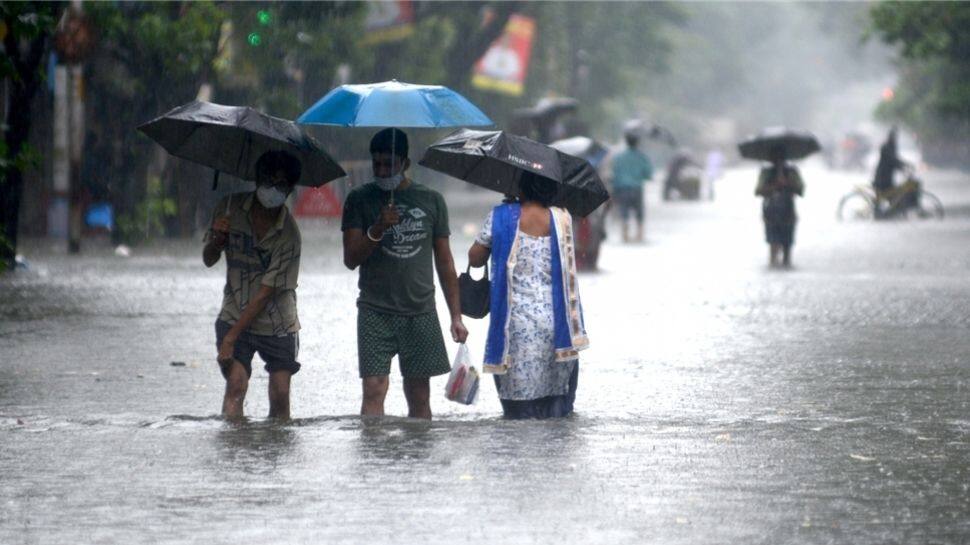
x=318, y=202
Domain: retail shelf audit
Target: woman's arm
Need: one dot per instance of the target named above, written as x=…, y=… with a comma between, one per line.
x=478, y=255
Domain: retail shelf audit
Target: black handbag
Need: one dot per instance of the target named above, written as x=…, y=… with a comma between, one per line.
x=474, y=294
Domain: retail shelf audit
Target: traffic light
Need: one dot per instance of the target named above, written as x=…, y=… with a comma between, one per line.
x=263, y=18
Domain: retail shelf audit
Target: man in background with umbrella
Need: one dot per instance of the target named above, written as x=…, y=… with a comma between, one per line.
x=394, y=229
x=778, y=184
x=262, y=245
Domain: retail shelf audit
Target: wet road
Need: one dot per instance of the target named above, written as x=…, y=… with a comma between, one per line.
x=721, y=402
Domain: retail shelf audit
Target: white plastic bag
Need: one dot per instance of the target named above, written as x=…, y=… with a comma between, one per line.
x=462, y=386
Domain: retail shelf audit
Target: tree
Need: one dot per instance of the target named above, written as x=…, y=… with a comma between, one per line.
x=151, y=58
x=933, y=95
x=26, y=29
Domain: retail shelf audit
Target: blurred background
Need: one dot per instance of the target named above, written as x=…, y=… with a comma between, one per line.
x=78, y=79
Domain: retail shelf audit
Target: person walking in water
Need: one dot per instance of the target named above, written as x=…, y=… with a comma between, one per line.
x=777, y=185
x=394, y=230
x=262, y=244
x=536, y=327
x=631, y=169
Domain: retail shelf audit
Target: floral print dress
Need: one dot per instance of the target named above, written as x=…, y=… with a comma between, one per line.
x=534, y=372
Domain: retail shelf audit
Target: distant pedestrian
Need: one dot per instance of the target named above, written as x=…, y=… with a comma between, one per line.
x=713, y=170
x=778, y=184
x=631, y=169
x=674, y=180
x=536, y=327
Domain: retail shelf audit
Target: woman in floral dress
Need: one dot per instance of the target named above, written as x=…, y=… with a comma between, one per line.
x=536, y=327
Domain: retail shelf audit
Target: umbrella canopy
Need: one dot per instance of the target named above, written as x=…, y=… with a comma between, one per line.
x=496, y=160
x=583, y=147
x=639, y=127
x=394, y=104
x=792, y=143
x=232, y=138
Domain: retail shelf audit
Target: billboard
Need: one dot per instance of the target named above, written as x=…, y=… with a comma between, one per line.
x=505, y=65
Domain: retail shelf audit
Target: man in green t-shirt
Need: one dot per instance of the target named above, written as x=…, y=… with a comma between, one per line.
x=394, y=228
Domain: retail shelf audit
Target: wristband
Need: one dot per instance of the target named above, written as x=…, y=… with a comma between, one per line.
x=372, y=239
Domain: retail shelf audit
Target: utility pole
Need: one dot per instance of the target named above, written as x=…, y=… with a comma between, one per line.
x=73, y=42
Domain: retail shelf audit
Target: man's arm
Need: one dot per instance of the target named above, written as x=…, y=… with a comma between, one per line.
x=359, y=244
x=252, y=310
x=448, y=278
x=358, y=247
x=218, y=236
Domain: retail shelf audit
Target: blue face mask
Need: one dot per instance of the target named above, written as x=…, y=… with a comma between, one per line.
x=270, y=196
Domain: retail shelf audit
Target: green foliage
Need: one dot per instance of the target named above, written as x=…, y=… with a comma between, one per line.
x=28, y=158
x=23, y=21
x=164, y=46
x=933, y=96
x=5, y=248
x=148, y=218
x=925, y=30
x=282, y=56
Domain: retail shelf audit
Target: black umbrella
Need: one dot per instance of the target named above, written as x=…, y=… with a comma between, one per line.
x=496, y=160
x=232, y=138
x=791, y=143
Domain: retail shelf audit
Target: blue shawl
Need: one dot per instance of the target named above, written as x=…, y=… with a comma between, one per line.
x=569, y=330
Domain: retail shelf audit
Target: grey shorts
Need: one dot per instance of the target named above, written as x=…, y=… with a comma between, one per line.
x=278, y=353
x=629, y=200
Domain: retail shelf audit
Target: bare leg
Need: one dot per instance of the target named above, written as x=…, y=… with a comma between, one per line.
x=236, y=386
x=279, y=394
x=640, y=231
x=418, y=393
x=786, y=255
x=375, y=390
x=626, y=232
x=774, y=250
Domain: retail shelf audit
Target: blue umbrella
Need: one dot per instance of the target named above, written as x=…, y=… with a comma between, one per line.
x=394, y=104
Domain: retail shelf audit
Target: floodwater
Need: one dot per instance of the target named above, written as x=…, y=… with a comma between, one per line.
x=721, y=401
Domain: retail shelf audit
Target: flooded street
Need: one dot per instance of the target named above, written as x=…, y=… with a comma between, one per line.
x=720, y=402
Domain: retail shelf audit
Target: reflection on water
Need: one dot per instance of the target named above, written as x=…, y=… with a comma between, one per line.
x=720, y=402
x=393, y=441
x=257, y=447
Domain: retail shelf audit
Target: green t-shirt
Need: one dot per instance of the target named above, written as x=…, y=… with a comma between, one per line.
x=398, y=278
x=631, y=168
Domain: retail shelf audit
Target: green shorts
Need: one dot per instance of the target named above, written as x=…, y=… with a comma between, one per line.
x=416, y=340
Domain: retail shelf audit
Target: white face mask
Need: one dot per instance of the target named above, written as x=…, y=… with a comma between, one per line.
x=270, y=197
x=390, y=183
